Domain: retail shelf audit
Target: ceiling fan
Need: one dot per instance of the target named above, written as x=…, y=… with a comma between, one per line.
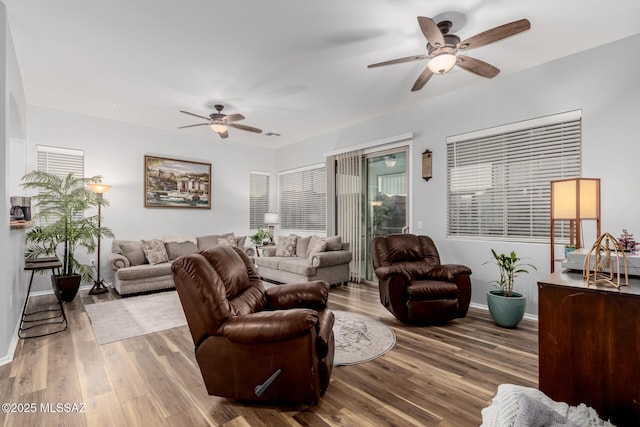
x=220, y=123
x=442, y=48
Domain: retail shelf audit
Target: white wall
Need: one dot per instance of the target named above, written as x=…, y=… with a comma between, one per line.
x=116, y=151
x=603, y=82
x=12, y=127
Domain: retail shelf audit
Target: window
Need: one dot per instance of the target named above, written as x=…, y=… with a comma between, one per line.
x=303, y=199
x=259, y=195
x=498, y=179
x=60, y=161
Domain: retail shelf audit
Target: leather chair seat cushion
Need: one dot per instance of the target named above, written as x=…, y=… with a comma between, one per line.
x=424, y=290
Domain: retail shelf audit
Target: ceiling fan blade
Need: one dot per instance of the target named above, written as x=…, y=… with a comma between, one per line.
x=245, y=127
x=423, y=78
x=399, y=60
x=431, y=31
x=199, y=124
x=223, y=135
x=234, y=117
x=477, y=66
x=194, y=115
x=495, y=34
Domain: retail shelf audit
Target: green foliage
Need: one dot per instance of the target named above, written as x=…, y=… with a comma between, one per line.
x=60, y=202
x=509, y=266
x=260, y=236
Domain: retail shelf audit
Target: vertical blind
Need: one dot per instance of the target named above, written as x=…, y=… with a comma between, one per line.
x=259, y=195
x=303, y=199
x=498, y=179
x=349, y=194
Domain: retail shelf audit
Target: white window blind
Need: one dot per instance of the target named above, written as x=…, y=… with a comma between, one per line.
x=498, y=179
x=303, y=199
x=259, y=195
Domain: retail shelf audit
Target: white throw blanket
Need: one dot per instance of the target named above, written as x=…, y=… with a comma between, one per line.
x=528, y=407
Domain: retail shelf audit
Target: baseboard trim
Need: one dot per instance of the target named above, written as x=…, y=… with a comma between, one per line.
x=527, y=316
x=11, y=352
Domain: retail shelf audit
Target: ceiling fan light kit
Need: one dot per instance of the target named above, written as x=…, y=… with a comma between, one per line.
x=442, y=49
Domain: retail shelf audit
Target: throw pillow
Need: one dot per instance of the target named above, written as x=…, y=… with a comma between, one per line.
x=302, y=246
x=316, y=246
x=286, y=246
x=155, y=251
x=206, y=242
x=228, y=241
x=334, y=243
x=132, y=250
x=176, y=250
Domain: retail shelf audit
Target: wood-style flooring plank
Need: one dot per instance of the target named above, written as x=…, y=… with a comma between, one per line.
x=434, y=376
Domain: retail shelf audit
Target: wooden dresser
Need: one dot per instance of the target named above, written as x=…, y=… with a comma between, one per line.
x=589, y=345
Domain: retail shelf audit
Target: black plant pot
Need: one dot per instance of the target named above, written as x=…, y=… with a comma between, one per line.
x=66, y=287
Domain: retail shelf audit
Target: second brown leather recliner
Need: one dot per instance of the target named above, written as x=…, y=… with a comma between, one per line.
x=413, y=285
x=275, y=345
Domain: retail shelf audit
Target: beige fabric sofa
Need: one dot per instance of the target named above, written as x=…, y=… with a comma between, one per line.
x=331, y=265
x=133, y=273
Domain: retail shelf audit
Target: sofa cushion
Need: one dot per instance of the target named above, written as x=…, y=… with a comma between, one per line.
x=176, y=250
x=269, y=262
x=334, y=243
x=287, y=245
x=131, y=249
x=206, y=242
x=145, y=271
x=317, y=246
x=155, y=251
x=241, y=241
x=296, y=265
x=302, y=245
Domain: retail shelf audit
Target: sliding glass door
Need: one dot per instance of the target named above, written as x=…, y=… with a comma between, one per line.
x=386, y=208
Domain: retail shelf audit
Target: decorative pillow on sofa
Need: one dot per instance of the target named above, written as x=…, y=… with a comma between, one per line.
x=206, y=242
x=316, y=245
x=334, y=243
x=228, y=241
x=302, y=246
x=286, y=245
x=177, y=249
x=131, y=249
x=155, y=251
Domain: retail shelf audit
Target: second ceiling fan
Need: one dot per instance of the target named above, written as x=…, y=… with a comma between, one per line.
x=220, y=123
x=442, y=48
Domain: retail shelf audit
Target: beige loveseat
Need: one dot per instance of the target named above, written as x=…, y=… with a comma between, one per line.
x=145, y=265
x=302, y=264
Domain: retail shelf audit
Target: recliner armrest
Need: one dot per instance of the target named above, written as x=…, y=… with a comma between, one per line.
x=312, y=295
x=385, y=272
x=448, y=272
x=269, y=326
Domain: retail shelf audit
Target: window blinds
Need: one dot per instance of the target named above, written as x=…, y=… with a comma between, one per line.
x=60, y=161
x=498, y=179
x=259, y=194
x=303, y=199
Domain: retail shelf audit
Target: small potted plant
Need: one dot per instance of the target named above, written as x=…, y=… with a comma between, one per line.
x=627, y=241
x=506, y=306
x=61, y=203
x=260, y=236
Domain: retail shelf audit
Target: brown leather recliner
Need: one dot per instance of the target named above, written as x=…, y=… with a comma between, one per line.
x=413, y=285
x=275, y=345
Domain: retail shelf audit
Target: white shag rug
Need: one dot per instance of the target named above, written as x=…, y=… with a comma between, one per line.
x=358, y=338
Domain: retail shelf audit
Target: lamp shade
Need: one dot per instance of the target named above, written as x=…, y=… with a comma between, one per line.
x=442, y=63
x=577, y=198
x=218, y=128
x=271, y=218
x=99, y=188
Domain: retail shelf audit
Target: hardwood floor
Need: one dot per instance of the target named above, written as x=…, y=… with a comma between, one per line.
x=436, y=375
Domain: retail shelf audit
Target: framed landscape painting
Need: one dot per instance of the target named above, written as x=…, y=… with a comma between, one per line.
x=173, y=183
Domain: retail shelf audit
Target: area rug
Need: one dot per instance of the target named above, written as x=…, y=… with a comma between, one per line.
x=358, y=338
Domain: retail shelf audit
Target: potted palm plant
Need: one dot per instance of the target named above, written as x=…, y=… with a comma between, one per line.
x=61, y=226
x=506, y=306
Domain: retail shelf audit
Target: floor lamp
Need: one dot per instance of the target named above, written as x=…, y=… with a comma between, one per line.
x=574, y=200
x=98, y=283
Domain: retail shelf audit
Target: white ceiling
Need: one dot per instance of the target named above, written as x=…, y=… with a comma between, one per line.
x=294, y=67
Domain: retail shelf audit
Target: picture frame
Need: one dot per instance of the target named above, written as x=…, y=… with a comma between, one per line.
x=175, y=183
